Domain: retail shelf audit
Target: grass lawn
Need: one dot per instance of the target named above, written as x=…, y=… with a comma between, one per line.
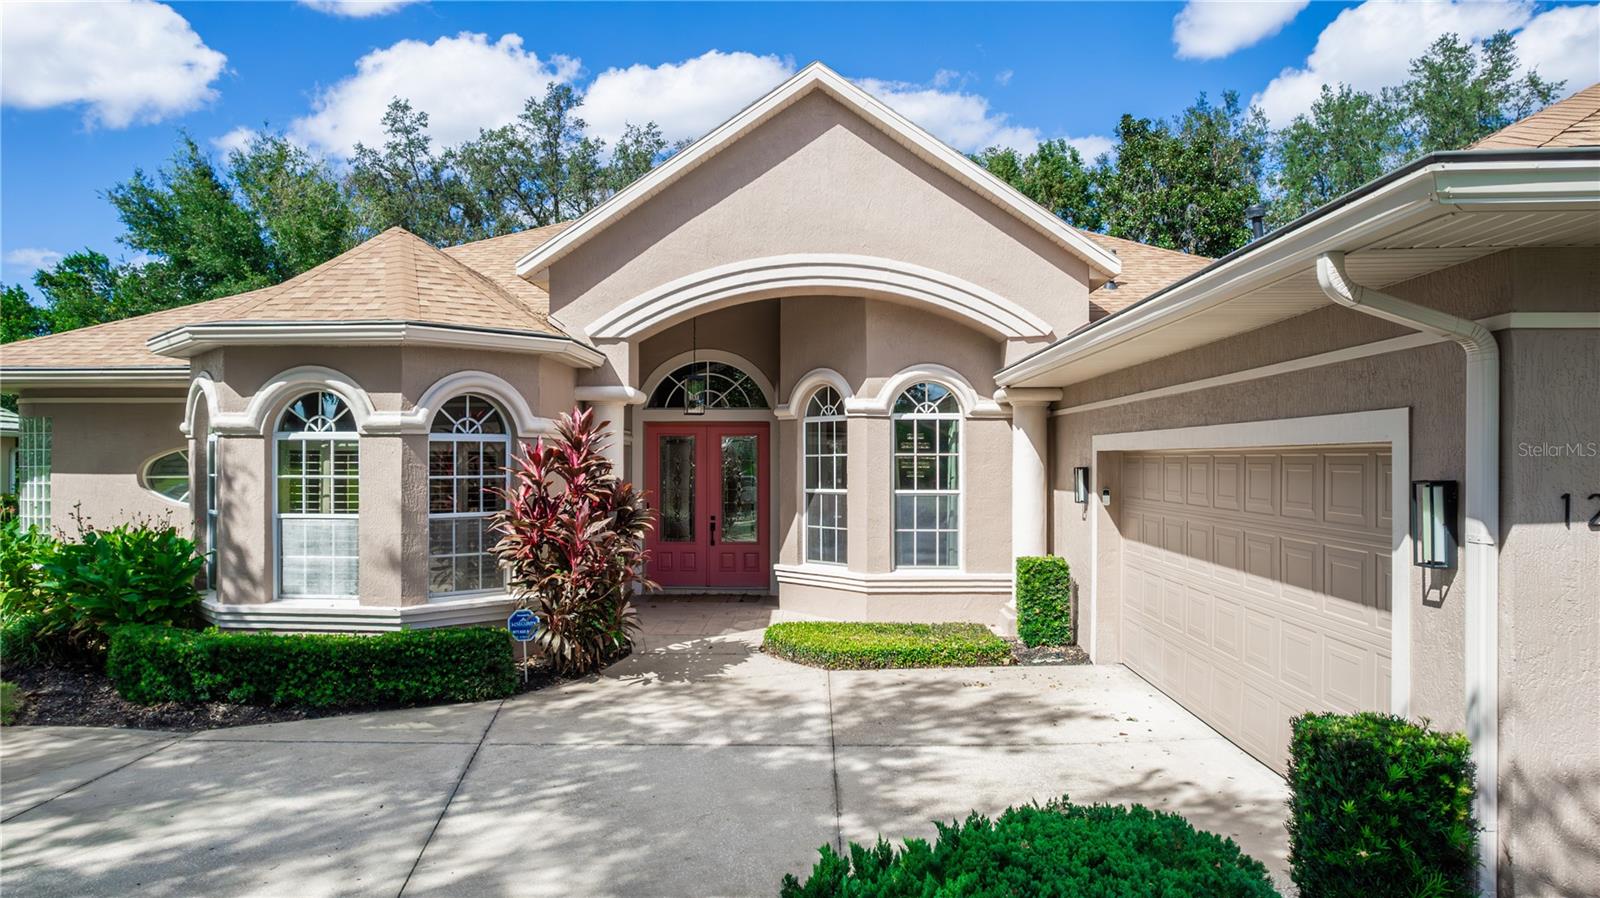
x=847, y=645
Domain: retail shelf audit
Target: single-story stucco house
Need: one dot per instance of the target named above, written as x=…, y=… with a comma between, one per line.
x=1350, y=466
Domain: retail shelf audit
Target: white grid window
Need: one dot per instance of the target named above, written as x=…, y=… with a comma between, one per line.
x=467, y=452
x=318, y=479
x=927, y=477
x=33, y=472
x=211, y=510
x=825, y=458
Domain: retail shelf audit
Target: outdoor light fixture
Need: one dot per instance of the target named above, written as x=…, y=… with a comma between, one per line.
x=694, y=389
x=1080, y=485
x=1433, y=523
x=1105, y=498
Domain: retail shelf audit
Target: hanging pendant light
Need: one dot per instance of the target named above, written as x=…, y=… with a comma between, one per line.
x=694, y=388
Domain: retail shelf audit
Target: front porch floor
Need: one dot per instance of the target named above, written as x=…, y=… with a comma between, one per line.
x=696, y=767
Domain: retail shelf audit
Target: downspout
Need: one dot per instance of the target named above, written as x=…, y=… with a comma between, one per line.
x=1480, y=550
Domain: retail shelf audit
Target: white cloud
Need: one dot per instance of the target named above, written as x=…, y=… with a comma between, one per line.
x=962, y=120
x=33, y=259
x=463, y=83
x=685, y=99
x=1563, y=44
x=1003, y=77
x=1212, y=29
x=1091, y=146
x=125, y=62
x=236, y=140
x=356, y=9
x=1371, y=46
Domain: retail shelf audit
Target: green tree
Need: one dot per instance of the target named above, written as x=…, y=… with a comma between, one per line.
x=1186, y=184
x=407, y=184
x=1347, y=139
x=637, y=151
x=83, y=289
x=300, y=206
x=1053, y=175
x=19, y=317
x=1457, y=94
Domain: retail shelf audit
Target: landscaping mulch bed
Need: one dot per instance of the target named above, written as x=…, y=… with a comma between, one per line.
x=83, y=696
x=1048, y=655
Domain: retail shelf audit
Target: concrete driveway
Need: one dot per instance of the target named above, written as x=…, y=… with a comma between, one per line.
x=697, y=767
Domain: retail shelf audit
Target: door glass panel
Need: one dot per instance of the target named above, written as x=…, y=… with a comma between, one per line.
x=677, y=489
x=739, y=489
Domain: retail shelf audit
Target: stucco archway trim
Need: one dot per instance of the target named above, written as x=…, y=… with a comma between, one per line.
x=709, y=355
x=482, y=383
x=268, y=402
x=810, y=273
x=201, y=386
x=812, y=381
x=972, y=404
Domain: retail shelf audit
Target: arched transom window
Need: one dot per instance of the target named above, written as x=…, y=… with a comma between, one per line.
x=927, y=477
x=825, y=462
x=319, y=498
x=708, y=385
x=468, y=445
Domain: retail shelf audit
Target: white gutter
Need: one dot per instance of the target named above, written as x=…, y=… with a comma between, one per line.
x=1480, y=550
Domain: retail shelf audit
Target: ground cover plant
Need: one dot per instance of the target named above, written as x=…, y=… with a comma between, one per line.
x=1058, y=850
x=154, y=664
x=1044, y=601
x=855, y=645
x=1380, y=806
x=572, y=544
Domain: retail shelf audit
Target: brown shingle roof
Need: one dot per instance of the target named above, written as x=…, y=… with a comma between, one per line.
x=1145, y=269
x=1573, y=122
x=395, y=276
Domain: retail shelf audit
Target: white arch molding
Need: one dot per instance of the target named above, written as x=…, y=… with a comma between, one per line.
x=201, y=386
x=972, y=404
x=261, y=413
x=491, y=386
x=809, y=383
x=664, y=369
x=812, y=273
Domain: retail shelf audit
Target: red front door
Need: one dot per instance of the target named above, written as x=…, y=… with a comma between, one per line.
x=708, y=483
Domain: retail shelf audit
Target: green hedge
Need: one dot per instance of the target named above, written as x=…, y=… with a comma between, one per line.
x=1380, y=806
x=1044, y=601
x=1060, y=849
x=851, y=645
x=19, y=639
x=151, y=664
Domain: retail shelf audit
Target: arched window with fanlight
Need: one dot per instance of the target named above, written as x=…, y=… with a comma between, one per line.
x=927, y=477
x=318, y=498
x=468, y=445
x=699, y=386
x=826, y=443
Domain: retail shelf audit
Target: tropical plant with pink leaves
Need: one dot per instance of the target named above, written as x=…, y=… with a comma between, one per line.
x=572, y=543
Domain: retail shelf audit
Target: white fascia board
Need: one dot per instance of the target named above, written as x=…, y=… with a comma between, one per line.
x=535, y=265
x=1566, y=184
x=186, y=342
x=94, y=377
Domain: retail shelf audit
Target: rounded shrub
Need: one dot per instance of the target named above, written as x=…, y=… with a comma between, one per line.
x=1059, y=850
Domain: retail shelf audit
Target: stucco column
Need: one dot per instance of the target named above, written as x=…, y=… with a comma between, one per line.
x=1030, y=455
x=610, y=405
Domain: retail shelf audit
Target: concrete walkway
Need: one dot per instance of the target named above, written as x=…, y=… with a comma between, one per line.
x=698, y=767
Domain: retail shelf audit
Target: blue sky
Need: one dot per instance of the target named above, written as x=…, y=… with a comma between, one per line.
x=92, y=91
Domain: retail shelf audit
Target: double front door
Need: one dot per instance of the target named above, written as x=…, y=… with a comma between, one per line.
x=708, y=483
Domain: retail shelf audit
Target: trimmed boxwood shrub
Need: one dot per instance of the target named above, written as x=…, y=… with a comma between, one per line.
x=1380, y=806
x=1044, y=601
x=1060, y=849
x=842, y=645
x=153, y=664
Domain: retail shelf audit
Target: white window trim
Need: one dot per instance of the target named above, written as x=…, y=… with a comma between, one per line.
x=144, y=478
x=806, y=491
x=453, y=437
x=961, y=478
x=352, y=437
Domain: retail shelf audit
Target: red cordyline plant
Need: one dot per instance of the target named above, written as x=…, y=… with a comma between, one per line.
x=572, y=542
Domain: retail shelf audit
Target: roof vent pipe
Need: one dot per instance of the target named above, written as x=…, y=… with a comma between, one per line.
x=1481, y=560
x=1256, y=217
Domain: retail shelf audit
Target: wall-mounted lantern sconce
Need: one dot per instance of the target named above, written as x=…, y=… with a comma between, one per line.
x=1080, y=485
x=1105, y=498
x=1433, y=523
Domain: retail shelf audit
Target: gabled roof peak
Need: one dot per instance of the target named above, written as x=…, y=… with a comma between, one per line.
x=814, y=77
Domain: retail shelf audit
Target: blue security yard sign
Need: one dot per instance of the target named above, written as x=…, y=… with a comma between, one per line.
x=523, y=624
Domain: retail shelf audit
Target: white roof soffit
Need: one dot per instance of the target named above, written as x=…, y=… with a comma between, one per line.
x=193, y=339
x=816, y=76
x=141, y=376
x=1444, y=210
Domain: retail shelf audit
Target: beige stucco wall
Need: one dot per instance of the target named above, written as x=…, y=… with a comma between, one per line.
x=98, y=450
x=817, y=179
x=1549, y=664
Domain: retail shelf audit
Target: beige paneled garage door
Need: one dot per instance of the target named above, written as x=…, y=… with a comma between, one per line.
x=1256, y=584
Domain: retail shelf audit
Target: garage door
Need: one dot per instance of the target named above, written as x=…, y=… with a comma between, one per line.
x=1257, y=584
